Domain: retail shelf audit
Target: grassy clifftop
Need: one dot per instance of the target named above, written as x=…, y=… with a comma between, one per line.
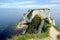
x=31, y=31
x=34, y=25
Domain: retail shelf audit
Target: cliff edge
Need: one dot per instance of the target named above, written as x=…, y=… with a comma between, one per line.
x=38, y=21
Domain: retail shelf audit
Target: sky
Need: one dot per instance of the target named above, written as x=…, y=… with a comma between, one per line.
x=55, y=4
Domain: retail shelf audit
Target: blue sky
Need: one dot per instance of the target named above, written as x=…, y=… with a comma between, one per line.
x=30, y=4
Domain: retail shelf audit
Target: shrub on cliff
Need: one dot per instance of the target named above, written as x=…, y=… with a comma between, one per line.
x=47, y=20
x=47, y=25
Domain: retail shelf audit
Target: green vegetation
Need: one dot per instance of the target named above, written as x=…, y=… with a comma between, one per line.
x=44, y=8
x=30, y=36
x=46, y=27
x=47, y=20
x=33, y=26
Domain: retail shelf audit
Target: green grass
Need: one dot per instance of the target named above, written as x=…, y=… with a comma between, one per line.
x=30, y=36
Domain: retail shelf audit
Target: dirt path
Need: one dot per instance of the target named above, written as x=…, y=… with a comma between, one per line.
x=53, y=33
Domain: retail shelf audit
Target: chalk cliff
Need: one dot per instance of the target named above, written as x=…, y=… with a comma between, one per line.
x=34, y=21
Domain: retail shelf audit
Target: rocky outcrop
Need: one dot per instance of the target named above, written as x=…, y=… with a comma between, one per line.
x=34, y=21
x=31, y=13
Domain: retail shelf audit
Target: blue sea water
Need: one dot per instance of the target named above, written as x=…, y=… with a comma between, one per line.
x=55, y=14
x=11, y=16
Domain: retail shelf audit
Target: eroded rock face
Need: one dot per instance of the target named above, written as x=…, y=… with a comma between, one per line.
x=33, y=21
x=43, y=12
x=34, y=25
x=41, y=26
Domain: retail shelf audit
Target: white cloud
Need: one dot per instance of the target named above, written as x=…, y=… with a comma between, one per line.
x=26, y=2
x=15, y=4
x=55, y=1
x=40, y=6
x=20, y=5
x=30, y=6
